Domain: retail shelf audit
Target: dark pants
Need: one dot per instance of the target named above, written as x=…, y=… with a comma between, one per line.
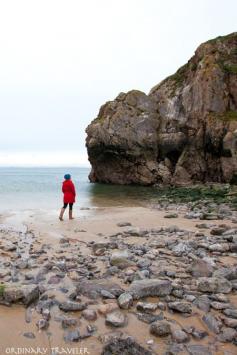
x=70, y=206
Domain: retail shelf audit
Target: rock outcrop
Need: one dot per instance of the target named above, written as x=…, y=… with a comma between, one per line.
x=183, y=131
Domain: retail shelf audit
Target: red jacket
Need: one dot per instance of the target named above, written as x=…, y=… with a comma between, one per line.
x=69, y=192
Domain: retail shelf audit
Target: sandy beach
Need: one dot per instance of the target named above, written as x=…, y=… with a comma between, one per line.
x=74, y=251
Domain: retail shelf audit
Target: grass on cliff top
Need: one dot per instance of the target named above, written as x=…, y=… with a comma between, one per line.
x=222, y=38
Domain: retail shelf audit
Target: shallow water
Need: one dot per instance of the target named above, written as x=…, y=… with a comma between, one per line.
x=40, y=188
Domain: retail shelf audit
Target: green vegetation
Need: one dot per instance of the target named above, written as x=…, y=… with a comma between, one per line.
x=224, y=116
x=2, y=288
x=222, y=38
x=196, y=193
x=220, y=193
x=230, y=68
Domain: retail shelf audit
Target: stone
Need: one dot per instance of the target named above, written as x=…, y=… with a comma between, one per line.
x=92, y=288
x=107, y=308
x=69, y=322
x=125, y=347
x=125, y=300
x=124, y=224
x=150, y=287
x=42, y=323
x=203, y=302
x=107, y=294
x=201, y=268
x=179, y=336
x=89, y=314
x=25, y=294
x=121, y=259
x=219, y=305
x=69, y=306
x=227, y=335
x=29, y=335
x=182, y=307
x=230, y=322
x=116, y=319
x=232, y=313
x=214, y=285
x=197, y=349
x=72, y=335
x=149, y=318
x=146, y=307
x=212, y=322
x=160, y=328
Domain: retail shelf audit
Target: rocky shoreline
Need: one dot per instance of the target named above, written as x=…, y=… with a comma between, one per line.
x=174, y=284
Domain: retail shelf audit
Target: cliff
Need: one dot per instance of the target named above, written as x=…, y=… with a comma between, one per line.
x=183, y=131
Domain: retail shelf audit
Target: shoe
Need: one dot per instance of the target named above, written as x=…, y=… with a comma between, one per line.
x=61, y=214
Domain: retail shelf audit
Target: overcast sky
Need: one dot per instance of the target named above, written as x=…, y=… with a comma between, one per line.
x=60, y=60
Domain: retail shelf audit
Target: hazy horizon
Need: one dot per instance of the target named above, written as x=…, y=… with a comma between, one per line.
x=60, y=61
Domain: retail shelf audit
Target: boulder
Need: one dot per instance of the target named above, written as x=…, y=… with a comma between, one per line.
x=214, y=285
x=18, y=293
x=183, y=131
x=150, y=287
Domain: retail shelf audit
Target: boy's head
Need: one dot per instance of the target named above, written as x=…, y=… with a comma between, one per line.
x=67, y=176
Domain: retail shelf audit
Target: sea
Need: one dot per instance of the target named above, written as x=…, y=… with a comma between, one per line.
x=34, y=188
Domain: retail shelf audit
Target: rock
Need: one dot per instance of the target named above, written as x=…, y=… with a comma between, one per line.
x=197, y=349
x=229, y=322
x=25, y=294
x=182, y=132
x=227, y=335
x=150, y=287
x=214, y=285
x=182, y=307
x=149, y=318
x=107, y=308
x=72, y=335
x=93, y=288
x=220, y=247
x=124, y=346
x=125, y=300
x=181, y=248
x=201, y=268
x=107, y=294
x=232, y=313
x=171, y=215
x=124, y=224
x=212, y=322
x=121, y=259
x=69, y=322
x=69, y=306
x=42, y=323
x=146, y=307
x=160, y=328
x=116, y=319
x=29, y=335
x=179, y=336
x=203, y=303
x=219, y=305
x=89, y=314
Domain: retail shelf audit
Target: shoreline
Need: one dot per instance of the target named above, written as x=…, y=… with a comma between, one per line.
x=76, y=243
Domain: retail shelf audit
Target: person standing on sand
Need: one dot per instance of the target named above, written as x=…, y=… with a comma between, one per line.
x=69, y=194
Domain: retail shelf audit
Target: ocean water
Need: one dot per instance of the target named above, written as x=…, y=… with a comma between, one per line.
x=40, y=188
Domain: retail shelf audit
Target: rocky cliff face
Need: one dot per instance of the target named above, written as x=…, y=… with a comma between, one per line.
x=183, y=131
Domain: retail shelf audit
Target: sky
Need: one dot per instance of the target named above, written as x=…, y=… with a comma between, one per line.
x=60, y=60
